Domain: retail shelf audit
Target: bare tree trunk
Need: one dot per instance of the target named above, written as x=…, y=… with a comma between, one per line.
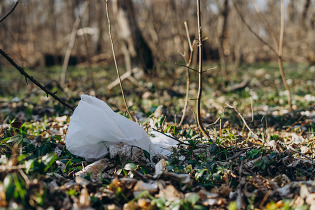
x=134, y=45
x=100, y=42
x=71, y=45
x=53, y=28
x=175, y=26
x=292, y=11
x=222, y=29
x=305, y=11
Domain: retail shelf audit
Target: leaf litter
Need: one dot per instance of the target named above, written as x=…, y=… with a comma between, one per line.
x=275, y=170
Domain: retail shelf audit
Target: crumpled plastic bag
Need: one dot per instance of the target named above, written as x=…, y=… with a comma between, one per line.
x=163, y=143
x=94, y=126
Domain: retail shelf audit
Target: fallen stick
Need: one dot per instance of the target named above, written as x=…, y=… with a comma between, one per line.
x=127, y=75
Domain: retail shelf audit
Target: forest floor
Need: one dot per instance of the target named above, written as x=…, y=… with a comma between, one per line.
x=267, y=164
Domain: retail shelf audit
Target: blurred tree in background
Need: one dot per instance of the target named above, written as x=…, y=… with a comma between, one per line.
x=38, y=32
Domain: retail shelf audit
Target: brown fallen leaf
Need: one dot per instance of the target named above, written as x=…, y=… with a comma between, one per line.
x=111, y=207
x=203, y=194
x=310, y=200
x=170, y=193
x=95, y=168
x=141, y=186
x=225, y=190
x=61, y=119
x=298, y=202
x=131, y=205
x=3, y=201
x=84, y=201
x=306, y=150
x=180, y=178
x=144, y=203
x=159, y=168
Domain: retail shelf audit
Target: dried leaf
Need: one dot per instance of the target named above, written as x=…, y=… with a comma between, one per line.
x=81, y=181
x=144, y=203
x=3, y=202
x=210, y=198
x=94, y=168
x=281, y=180
x=141, y=186
x=306, y=150
x=159, y=168
x=83, y=201
x=131, y=205
x=111, y=207
x=310, y=200
x=180, y=178
x=61, y=119
x=170, y=193
x=125, y=152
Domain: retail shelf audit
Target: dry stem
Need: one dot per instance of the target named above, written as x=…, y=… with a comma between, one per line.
x=117, y=70
x=244, y=121
x=200, y=72
x=280, y=58
x=269, y=28
x=252, y=31
x=191, y=47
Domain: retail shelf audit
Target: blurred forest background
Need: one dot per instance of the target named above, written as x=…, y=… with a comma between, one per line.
x=38, y=32
x=54, y=34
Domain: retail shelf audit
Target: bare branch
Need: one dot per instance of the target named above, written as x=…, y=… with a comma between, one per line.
x=278, y=45
x=11, y=10
x=191, y=46
x=188, y=37
x=280, y=64
x=281, y=30
x=269, y=28
x=252, y=31
x=21, y=70
x=187, y=66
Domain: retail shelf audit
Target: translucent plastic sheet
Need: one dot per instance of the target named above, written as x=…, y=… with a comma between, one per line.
x=94, y=126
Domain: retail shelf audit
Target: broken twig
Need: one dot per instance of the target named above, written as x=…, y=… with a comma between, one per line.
x=255, y=136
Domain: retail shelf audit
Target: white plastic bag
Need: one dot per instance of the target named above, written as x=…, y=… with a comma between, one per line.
x=94, y=126
x=163, y=143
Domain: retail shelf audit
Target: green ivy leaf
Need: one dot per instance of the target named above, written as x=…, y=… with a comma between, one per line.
x=49, y=160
